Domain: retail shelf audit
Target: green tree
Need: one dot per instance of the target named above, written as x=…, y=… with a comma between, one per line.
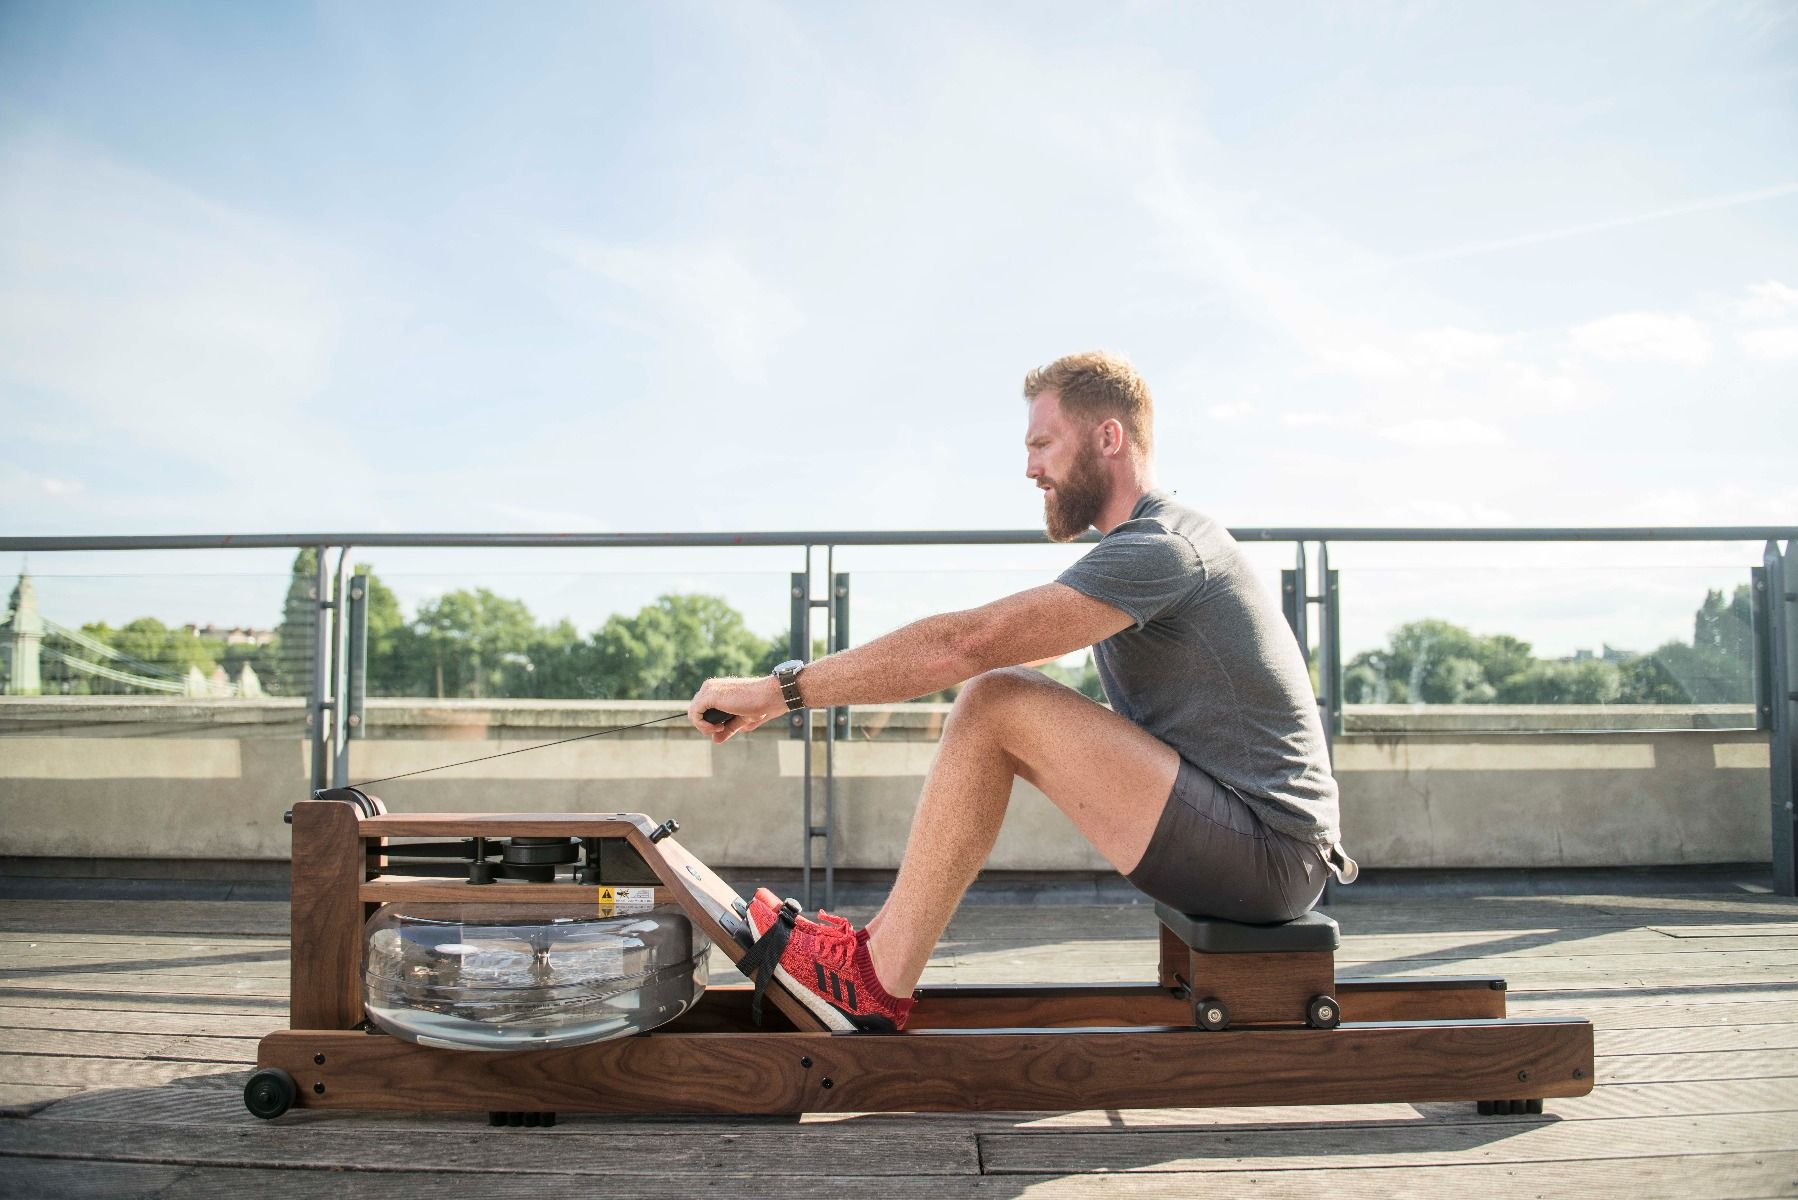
x=290, y=655
x=1083, y=679
x=1588, y=681
x=472, y=640
x=1434, y=662
x=398, y=661
x=670, y=647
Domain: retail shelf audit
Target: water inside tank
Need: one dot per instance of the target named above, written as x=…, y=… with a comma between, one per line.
x=497, y=977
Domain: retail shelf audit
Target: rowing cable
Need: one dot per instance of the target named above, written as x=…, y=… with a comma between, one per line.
x=712, y=715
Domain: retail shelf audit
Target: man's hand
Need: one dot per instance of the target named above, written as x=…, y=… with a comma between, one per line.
x=753, y=702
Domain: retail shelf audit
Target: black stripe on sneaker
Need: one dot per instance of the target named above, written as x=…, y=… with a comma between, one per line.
x=822, y=983
x=850, y=984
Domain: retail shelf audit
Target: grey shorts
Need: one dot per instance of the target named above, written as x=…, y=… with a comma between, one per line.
x=1211, y=855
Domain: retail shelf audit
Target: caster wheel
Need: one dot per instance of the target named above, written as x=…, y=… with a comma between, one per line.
x=1323, y=1012
x=1486, y=1107
x=1213, y=1014
x=1532, y=1106
x=269, y=1093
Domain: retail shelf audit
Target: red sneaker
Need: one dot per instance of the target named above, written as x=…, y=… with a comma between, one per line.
x=822, y=963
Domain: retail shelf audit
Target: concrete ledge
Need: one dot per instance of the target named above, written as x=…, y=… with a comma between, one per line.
x=109, y=778
x=99, y=879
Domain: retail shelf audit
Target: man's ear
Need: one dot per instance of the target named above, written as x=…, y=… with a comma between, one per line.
x=1111, y=436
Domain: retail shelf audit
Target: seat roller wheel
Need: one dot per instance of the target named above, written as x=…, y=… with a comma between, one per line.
x=1323, y=1012
x=1212, y=1014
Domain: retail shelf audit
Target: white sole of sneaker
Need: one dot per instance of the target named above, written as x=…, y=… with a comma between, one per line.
x=815, y=1004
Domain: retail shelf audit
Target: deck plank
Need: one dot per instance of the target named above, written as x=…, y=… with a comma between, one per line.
x=1539, y=1139
x=126, y=1032
x=1671, y=1177
x=593, y=1150
x=127, y=1020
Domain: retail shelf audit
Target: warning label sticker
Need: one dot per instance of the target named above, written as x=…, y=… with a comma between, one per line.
x=625, y=900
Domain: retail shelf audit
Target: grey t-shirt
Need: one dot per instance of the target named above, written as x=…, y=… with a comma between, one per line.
x=1210, y=667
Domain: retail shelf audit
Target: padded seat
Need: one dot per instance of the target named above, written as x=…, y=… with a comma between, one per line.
x=1209, y=935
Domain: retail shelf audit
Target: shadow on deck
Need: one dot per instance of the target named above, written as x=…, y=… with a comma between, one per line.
x=127, y=1029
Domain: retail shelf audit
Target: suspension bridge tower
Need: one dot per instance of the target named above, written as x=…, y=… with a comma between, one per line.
x=22, y=641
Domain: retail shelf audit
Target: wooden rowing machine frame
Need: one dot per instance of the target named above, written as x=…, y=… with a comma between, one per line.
x=968, y=1048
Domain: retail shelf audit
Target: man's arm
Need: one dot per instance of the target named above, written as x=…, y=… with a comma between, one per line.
x=1040, y=624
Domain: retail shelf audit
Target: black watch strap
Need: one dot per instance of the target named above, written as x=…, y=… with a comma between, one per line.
x=787, y=675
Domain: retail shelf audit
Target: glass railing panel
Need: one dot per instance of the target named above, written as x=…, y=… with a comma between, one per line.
x=211, y=626
x=1553, y=636
x=153, y=706
x=588, y=626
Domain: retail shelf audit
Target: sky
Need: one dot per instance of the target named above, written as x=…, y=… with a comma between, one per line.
x=751, y=265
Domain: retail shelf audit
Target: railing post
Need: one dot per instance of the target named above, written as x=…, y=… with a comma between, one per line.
x=839, y=641
x=836, y=720
x=340, y=673
x=1293, y=588
x=1781, y=579
x=1761, y=618
x=320, y=703
x=1329, y=646
x=352, y=674
x=799, y=724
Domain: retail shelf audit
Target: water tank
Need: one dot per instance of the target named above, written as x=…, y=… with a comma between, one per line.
x=498, y=977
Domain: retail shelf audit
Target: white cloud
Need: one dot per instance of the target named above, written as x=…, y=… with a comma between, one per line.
x=551, y=519
x=1645, y=337
x=20, y=484
x=1316, y=420
x=742, y=317
x=1704, y=204
x=1452, y=347
x=1768, y=301
x=159, y=314
x=1713, y=504
x=1442, y=433
x=1364, y=360
x=1231, y=412
x=1777, y=344
x=1431, y=510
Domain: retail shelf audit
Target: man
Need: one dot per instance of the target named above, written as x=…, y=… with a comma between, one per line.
x=1206, y=782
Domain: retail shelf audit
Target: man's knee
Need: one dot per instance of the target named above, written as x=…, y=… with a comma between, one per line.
x=994, y=692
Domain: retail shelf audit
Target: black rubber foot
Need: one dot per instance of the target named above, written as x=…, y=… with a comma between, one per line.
x=525, y=1120
x=270, y=1092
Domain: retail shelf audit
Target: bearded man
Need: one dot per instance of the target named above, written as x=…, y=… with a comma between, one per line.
x=1206, y=782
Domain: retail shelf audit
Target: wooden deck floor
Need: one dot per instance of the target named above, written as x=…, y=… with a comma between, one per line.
x=127, y=1029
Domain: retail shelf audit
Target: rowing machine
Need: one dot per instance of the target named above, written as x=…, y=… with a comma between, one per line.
x=1240, y=1015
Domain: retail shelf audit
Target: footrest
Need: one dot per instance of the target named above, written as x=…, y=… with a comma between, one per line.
x=1312, y=932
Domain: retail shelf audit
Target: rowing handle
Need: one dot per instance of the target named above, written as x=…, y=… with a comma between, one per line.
x=717, y=716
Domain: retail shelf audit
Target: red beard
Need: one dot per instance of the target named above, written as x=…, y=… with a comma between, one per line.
x=1074, y=505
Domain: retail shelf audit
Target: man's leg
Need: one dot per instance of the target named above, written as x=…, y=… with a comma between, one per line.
x=1105, y=773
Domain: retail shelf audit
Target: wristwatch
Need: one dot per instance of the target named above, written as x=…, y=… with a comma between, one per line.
x=787, y=675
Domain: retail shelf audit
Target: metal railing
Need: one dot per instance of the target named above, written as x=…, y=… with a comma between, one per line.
x=334, y=712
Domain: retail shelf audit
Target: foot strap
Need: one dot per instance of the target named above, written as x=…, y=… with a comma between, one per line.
x=763, y=955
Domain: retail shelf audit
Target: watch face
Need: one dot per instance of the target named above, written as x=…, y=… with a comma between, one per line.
x=792, y=664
